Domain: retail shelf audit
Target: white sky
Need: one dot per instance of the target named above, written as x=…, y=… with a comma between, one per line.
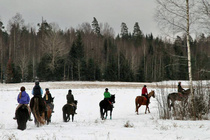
x=71, y=13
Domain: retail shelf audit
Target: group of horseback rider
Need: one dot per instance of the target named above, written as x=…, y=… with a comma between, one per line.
x=181, y=91
x=23, y=98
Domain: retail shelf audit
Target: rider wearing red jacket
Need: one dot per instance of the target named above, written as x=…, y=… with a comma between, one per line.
x=145, y=93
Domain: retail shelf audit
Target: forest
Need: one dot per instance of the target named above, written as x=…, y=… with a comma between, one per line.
x=92, y=52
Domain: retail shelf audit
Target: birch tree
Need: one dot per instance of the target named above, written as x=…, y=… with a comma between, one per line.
x=1, y=49
x=175, y=17
x=204, y=11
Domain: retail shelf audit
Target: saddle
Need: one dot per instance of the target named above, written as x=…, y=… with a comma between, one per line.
x=71, y=104
x=180, y=94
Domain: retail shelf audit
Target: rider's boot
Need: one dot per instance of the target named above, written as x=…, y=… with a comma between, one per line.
x=75, y=111
x=30, y=117
x=15, y=118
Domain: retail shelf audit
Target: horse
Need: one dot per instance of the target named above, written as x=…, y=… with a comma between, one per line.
x=141, y=100
x=38, y=108
x=48, y=112
x=105, y=106
x=68, y=110
x=22, y=116
x=172, y=97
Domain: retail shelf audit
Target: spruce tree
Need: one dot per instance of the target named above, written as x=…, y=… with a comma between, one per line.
x=95, y=25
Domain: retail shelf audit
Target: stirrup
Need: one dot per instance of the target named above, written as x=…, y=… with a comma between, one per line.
x=14, y=118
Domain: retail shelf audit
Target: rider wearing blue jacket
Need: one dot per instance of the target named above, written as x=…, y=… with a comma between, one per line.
x=23, y=98
x=37, y=90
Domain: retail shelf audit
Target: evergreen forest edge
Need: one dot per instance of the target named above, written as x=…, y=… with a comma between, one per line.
x=92, y=53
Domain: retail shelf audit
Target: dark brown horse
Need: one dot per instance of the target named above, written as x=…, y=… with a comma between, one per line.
x=141, y=100
x=172, y=97
x=22, y=117
x=105, y=106
x=69, y=109
x=38, y=108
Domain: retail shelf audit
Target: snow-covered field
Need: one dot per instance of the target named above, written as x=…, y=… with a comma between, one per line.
x=87, y=124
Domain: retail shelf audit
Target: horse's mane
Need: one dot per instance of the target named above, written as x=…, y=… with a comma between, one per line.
x=151, y=93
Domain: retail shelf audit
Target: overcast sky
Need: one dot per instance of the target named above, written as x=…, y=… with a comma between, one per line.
x=71, y=13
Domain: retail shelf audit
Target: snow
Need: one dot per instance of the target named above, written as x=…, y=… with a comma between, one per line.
x=87, y=124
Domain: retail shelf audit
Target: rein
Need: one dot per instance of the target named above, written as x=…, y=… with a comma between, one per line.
x=150, y=94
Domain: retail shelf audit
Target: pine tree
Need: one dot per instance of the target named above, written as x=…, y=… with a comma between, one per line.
x=137, y=35
x=76, y=56
x=124, y=30
x=95, y=25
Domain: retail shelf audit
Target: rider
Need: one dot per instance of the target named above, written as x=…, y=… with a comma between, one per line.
x=180, y=89
x=70, y=100
x=23, y=98
x=107, y=96
x=37, y=90
x=48, y=99
x=145, y=93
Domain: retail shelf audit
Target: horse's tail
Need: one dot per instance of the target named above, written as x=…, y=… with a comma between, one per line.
x=101, y=110
x=36, y=111
x=48, y=113
x=22, y=117
x=64, y=113
x=136, y=103
x=168, y=101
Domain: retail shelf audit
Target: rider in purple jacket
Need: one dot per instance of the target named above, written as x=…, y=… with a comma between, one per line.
x=23, y=98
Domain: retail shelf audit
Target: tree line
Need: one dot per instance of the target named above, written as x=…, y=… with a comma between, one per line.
x=92, y=52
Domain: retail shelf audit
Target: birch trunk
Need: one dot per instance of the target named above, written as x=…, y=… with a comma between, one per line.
x=189, y=57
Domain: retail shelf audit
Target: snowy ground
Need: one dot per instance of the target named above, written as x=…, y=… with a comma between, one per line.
x=87, y=124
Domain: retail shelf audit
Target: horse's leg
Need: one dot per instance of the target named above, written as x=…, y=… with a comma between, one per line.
x=68, y=117
x=146, y=109
x=102, y=113
x=110, y=114
x=72, y=117
x=138, y=109
x=106, y=114
x=172, y=104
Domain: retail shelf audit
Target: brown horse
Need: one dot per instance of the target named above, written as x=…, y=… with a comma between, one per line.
x=172, y=97
x=48, y=114
x=38, y=107
x=141, y=100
